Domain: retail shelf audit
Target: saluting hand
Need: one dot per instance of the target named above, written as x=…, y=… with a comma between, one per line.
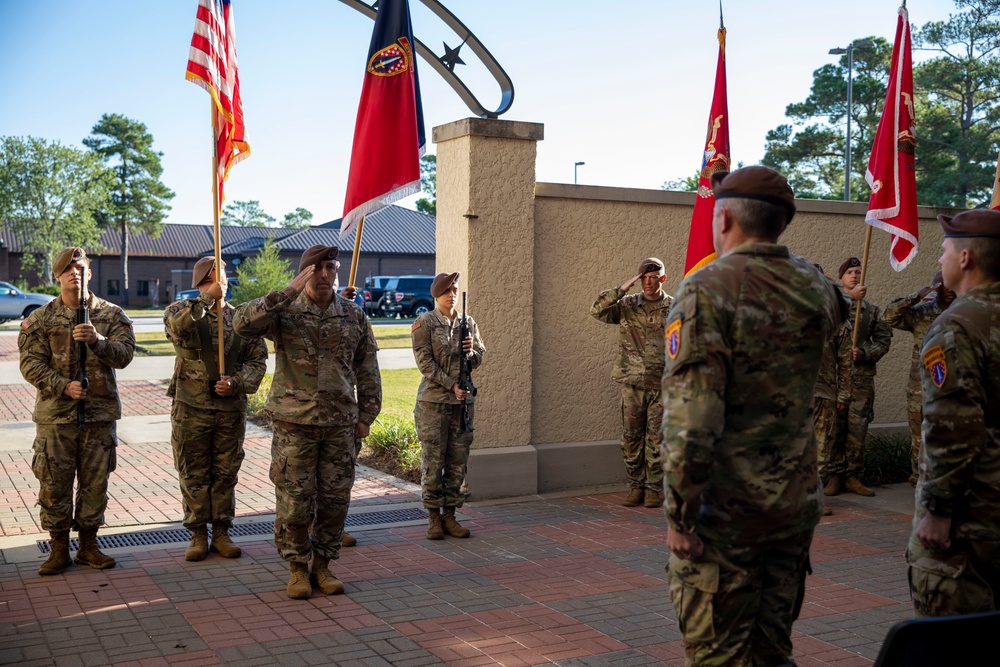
x=925, y=291
x=299, y=282
x=75, y=390
x=627, y=286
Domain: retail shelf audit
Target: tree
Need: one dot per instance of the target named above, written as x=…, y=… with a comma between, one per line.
x=689, y=184
x=428, y=183
x=811, y=152
x=262, y=274
x=246, y=214
x=300, y=218
x=50, y=193
x=139, y=198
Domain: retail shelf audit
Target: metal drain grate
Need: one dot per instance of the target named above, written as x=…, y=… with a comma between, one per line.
x=180, y=535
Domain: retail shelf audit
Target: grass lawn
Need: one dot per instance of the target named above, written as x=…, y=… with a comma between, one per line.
x=389, y=337
x=393, y=336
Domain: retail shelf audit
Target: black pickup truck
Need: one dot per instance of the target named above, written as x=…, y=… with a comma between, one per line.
x=409, y=296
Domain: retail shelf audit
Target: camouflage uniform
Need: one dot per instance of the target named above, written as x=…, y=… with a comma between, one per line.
x=49, y=361
x=833, y=387
x=321, y=358
x=437, y=348
x=639, y=371
x=745, y=341
x=206, y=430
x=915, y=314
x=874, y=338
x=960, y=461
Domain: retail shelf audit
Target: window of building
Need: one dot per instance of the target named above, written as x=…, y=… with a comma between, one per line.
x=142, y=288
x=112, y=287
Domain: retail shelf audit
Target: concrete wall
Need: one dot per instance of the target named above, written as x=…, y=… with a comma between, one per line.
x=534, y=257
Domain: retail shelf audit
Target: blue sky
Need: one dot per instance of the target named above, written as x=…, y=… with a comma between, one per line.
x=622, y=86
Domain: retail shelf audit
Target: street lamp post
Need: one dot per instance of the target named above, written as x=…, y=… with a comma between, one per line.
x=856, y=44
x=575, y=165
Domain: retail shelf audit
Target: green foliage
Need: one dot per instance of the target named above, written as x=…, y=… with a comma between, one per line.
x=428, y=183
x=300, y=218
x=51, y=194
x=262, y=274
x=246, y=214
x=395, y=438
x=21, y=283
x=138, y=198
x=255, y=402
x=887, y=459
x=688, y=184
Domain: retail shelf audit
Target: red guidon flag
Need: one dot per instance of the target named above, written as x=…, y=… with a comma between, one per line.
x=212, y=65
x=995, y=200
x=891, y=175
x=389, y=133
x=700, y=250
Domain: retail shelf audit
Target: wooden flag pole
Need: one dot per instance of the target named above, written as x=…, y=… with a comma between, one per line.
x=218, y=241
x=864, y=270
x=357, y=253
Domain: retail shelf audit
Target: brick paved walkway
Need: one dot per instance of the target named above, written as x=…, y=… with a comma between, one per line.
x=139, y=397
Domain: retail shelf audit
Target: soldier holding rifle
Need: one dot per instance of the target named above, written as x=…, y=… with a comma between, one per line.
x=445, y=438
x=52, y=345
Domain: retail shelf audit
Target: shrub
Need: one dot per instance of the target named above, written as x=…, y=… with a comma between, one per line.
x=255, y=402
x=887, y=459
x=393, y=448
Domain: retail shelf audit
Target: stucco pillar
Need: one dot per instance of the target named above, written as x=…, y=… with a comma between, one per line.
x=485, y=230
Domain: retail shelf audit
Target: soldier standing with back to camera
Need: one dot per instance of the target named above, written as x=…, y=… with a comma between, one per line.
x=438, y=348
x=642, y=319
x=745, y=341
x=325, y=395
x=50, y=355
x=954, y=549
x=208, y=415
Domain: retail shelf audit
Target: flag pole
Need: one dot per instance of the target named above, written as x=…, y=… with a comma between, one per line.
x=864, y=270
x=218, y=236
x=357, y=253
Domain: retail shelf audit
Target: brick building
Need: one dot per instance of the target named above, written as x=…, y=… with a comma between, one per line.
x=395, y=241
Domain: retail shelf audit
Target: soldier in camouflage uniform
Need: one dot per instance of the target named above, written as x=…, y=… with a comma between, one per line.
x=208, y=416
x=325, y=394
x=49, y=345
x=954, y=550
x=642, y=319
x=438, y=349
x=915, y=313
x=873, y=340
x=744, y=343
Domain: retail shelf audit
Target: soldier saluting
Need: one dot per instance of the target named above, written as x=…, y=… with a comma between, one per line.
x=50, y=356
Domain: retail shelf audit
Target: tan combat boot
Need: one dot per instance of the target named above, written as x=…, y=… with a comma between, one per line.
x=298, y=582
x=827, y=510
x=452, y=526
x=653, y=499
x=198, y=548
x=222, y=543
x=88, y=553
x=321, y=578
x=434, y=529
x=634, y=498
x=348, y=540
x=854, y=485
x=58, y=559
x=832, y=487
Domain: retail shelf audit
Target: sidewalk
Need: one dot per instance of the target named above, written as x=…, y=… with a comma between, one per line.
x=574, y=580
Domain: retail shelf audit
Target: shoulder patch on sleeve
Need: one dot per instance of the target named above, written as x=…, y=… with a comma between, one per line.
x=936, y=364
x=415, y=325
x=673, y=335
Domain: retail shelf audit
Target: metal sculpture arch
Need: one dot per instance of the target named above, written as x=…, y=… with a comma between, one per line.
x=445, y=64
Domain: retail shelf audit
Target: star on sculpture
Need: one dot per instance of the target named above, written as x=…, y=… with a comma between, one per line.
x=450, y=57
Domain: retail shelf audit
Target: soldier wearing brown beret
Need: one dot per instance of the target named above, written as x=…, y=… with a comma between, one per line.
x=50, y=360
x=954, y=549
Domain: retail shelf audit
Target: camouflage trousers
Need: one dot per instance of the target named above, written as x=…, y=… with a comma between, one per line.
x=208, y=451
x=63, y=453
x=831, y=437
x=312, y=468
x=859, y=415
x=736, y=605
x=915, y=411
x=965, y=579
x=444, y=453
x=642, y=415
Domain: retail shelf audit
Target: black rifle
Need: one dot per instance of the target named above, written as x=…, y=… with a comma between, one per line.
x=82, y=317
x=465, y=372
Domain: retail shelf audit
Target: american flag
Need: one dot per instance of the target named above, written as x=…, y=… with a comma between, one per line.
x=212, y=65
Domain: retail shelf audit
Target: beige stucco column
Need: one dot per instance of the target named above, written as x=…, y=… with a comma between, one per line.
x=486, y=229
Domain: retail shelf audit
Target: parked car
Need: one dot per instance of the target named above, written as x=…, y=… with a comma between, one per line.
x=373, y=291
x=409, y=296
x=15, y=304
x=193, y=293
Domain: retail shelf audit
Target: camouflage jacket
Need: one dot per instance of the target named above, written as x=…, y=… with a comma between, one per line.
x=745, y=341
x=50, y=360
x=640, y=336
x=834, y=382
x=321, y=357
x=960, y=459
x=914, y=314
x=190, y=383
x=438, y=350
x=874, y=337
